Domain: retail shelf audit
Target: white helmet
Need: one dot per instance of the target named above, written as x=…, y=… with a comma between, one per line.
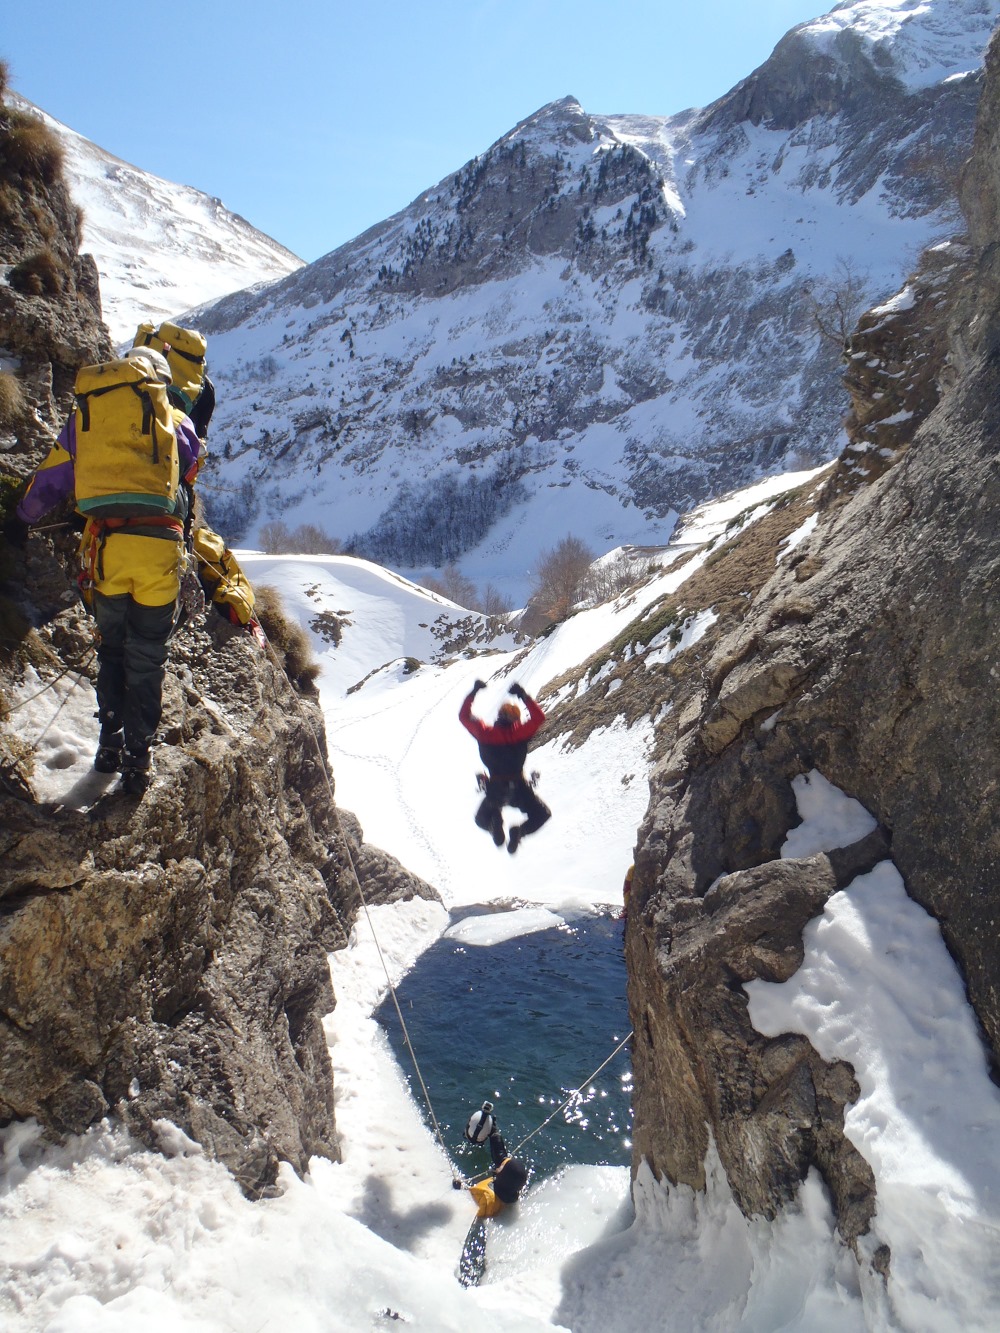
x=481, y=1124
x=155, y=361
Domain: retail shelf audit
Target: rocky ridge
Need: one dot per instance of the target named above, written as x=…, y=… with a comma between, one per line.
x=863, y=654
x=577, y=320
x=158, y=246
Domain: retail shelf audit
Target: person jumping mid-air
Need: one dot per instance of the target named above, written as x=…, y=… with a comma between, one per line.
x=503, y=748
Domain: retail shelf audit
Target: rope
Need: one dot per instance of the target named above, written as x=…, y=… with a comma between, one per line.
x=576, y=1093
x=485, y=1175
x=73, y=666
x=62, y=704
x=364, y=903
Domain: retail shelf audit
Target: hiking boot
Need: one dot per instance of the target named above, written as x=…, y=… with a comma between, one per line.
x=514, y=839
x=496, y=828
x=137, y=772
x=108, y=758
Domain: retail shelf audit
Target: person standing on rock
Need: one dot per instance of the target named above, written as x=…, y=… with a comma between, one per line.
x=503, y=748
x=128, y=459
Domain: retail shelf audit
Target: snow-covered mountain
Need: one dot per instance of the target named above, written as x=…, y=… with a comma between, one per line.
x=803, y=676
x=160, y=247
x=601, y=319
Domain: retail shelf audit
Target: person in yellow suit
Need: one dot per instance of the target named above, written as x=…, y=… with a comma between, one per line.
x=491, y=1195
x=124, y=455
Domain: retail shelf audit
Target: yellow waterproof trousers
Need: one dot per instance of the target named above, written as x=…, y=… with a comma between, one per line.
x=147, y=568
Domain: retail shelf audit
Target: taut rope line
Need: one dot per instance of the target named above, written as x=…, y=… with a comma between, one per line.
x=576, y=1092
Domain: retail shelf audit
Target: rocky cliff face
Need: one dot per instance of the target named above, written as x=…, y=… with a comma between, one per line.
x=162, y=960
x=868, y=655
x=165, y=960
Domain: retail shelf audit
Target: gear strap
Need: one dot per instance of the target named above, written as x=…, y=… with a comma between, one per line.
x=92, y=552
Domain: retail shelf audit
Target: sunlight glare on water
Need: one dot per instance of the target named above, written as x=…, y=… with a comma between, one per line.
x=523, y=1023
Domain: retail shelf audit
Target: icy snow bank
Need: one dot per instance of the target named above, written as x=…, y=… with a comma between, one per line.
x=877, y=988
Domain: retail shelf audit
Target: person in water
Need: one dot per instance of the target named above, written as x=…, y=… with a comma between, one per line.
x=509, y=1176
x=492, y=1194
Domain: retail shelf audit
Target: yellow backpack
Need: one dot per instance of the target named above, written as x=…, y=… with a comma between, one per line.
x=185, y=351
x=126, y=446
x=224, y=583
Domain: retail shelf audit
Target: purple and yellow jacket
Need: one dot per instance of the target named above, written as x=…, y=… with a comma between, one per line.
x=54, y=480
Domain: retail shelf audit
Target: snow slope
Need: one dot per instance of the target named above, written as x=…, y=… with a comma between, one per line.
x=160, y=248
x=99, y=1236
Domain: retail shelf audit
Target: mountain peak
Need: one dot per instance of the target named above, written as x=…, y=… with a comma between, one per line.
x=862, y=50
x=917, y=42
x=160, y=248
x=558, y=120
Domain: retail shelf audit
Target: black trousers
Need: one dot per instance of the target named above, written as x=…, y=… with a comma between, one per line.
x=132, y=658
x=515, y=792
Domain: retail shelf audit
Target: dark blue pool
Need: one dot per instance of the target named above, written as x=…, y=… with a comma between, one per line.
x=523, y=1023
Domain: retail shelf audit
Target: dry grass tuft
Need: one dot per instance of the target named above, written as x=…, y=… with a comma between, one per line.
x=288, y=639
x=42, y=274
x=11, y=400
x=30, y=150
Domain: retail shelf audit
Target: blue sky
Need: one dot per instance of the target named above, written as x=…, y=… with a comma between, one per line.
x=316, y=118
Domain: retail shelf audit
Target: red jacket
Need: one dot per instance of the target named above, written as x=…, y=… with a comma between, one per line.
x=491, y=735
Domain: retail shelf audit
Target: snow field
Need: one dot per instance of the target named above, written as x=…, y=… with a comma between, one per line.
x=100, y=1235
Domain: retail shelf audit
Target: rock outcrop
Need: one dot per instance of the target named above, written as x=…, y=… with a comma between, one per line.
x=50, y=306
x=161, y=960
x=868, y=654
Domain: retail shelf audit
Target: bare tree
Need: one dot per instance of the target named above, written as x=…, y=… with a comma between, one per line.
x=838, y=303
x=609, y=578
x=275, y=537
x=560, y=575
x=453, y=584
x=493, y=602
x=308, y=539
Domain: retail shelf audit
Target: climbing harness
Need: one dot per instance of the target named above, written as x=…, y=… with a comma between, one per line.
x=165, y=526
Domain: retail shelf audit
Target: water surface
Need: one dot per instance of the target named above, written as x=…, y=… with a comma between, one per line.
x=523, y=1023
